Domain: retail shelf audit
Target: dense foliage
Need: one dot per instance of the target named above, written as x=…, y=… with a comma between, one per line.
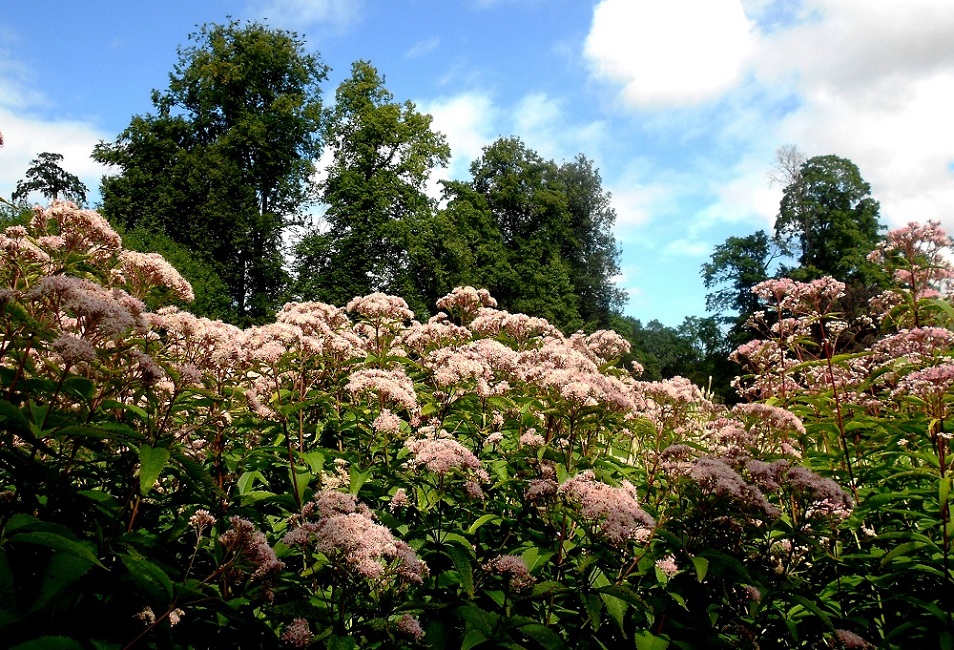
x=347, y=477
x=224, y=165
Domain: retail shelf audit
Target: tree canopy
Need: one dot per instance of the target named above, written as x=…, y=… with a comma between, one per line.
x=224, y=165
x=829, y=219
x=383, y=153
x=49, y=179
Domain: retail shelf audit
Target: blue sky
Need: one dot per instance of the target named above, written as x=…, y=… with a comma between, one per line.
x=680, y=103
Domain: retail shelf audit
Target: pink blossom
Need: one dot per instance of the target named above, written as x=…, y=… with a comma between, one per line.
x=380, y=306
x=387, y=423
x=513, y=569
x=142, y=271
x=668, y=565
x=615, y=510
x=298, y=633
x=441, y=455
x=410, y=627
x=392, y=385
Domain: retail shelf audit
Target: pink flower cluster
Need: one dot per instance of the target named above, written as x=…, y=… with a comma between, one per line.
x=346, y=533
x=513, y=569
x=614, y=509
x=443, y=455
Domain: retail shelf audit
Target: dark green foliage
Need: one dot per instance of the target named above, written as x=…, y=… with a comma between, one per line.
x=737, y=265
x=376, y=206
x=211, y=293
x=545, y=245
x=224, y=164
x=49, y=179
x=829, y=219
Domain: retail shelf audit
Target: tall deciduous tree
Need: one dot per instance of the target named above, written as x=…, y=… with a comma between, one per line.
x=224, y=165
x=49, y=179
x=383, y=153
x=546, y=246
x=737, y=265
x=591, y=249
x=829, y=219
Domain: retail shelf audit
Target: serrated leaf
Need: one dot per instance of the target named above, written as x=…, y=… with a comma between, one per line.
x=59, y=543
x=148, y=576
x=648, y=641
x=62, y=571
x=462, y=564
x=542, y=635
x=152, y=460
x=702, y=567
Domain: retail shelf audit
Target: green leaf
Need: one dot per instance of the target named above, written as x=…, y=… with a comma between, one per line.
x=900, y=551
x=648, y=641
x=58, y=543
x=483, y=520
x=8, y=599
x=62, y=571
x=336, y=642
x=49, y=643
x=148, y=576
x=152, y=460
x=542, y=635
x=594, y=607
x=702, y=567
x=465, y=571
x=358, y=478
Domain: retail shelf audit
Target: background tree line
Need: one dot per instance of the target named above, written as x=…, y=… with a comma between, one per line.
x=222, y=179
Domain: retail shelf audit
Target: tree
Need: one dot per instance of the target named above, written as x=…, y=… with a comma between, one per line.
x=383, y=153
x=737, y=265
x=224, y=166
x=49, y=179
x=546, y=245
x=591, y=249
x=829, y=219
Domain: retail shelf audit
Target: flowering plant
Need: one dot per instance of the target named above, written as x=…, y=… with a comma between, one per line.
x=346, y=478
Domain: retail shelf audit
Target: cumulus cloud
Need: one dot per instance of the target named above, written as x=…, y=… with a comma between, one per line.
x=25, y=136
x=468, y=121
x=669, y=52
x=869, y=80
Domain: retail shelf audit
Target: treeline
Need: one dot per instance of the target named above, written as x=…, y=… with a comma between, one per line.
x=226, y=166
x=222, y=179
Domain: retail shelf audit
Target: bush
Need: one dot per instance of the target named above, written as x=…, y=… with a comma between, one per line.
x=345, y=477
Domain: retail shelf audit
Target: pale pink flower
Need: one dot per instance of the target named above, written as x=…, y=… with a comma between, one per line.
x=442, y=455
x=380, y=306
x=399, y=500
x=851, y=641
x=513, y=569
x=532, y=439
x=387, y=423
x=143, y=271
x=298, y=633
x=615, y=510
x=392, y=385
x=409, y=626
x=201, y=520
x=74, y=350
x=668, y=565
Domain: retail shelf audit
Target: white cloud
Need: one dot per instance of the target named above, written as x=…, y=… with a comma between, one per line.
x=869, y=80
x=337, y=14
x=25, y=136
x=467, y=121
x=669, y=52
